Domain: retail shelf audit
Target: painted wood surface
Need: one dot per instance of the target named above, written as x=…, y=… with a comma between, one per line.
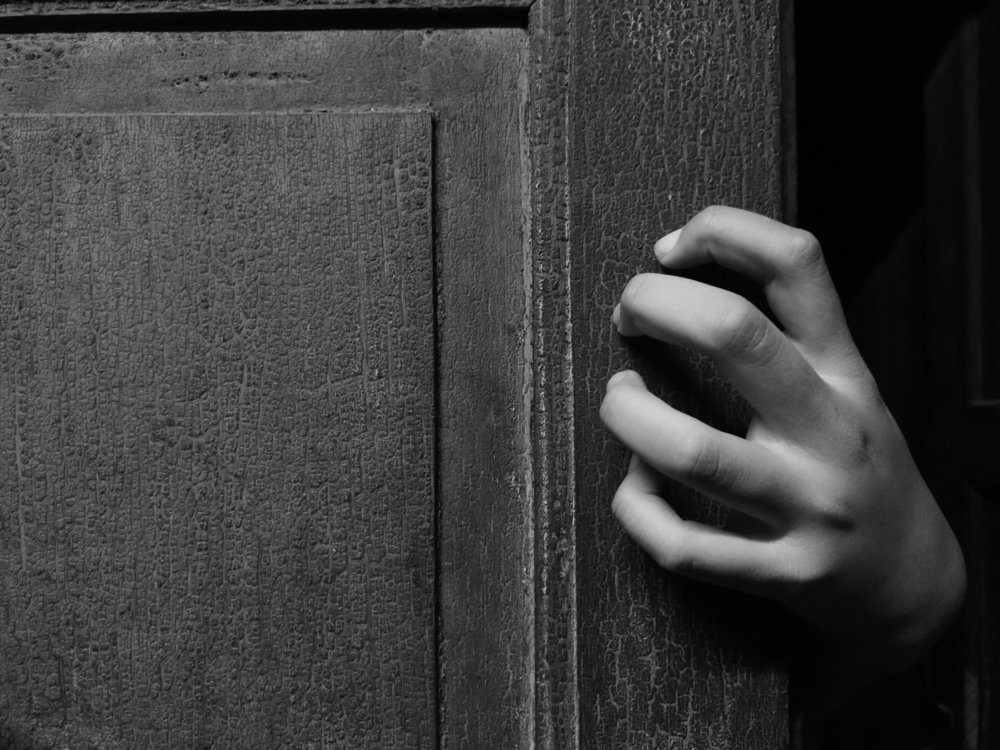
x=556, y=667
x=674, y=106
x=113, y=7
x=562, y=148
x=218, y=428
x=471, y=80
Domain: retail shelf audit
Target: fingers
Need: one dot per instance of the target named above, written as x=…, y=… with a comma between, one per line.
x=763, y=365
x=787, y=261
x=691, y=549
x=743, y=475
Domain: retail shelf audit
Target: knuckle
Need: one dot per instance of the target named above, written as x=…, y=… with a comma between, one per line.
x=618, y=408
x=710, y=220
x=670, y=553
x=740, y=329
x=807, y=566
x=804, y=575
x=700, y=459
x=833, y=512
x=857, y=441
x=620, y=504
x=838, y=514
x=803, y=251
x=669, y=549
x=633, y=294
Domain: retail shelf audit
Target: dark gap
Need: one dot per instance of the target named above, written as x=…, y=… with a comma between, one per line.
x=270, y=20
x=860, y=82
x=860, y=131
x=860, y=109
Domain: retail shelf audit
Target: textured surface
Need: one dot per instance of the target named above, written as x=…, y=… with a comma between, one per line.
x=31, y=7
x=675, y=106
x=473, y=81
x=660, y=108
x=217, y=430
x=556, y=622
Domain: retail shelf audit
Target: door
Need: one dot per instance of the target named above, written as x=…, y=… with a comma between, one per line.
x=189, y=339
x=304, y=329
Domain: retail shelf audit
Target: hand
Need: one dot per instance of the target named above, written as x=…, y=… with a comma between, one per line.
x=845, y=531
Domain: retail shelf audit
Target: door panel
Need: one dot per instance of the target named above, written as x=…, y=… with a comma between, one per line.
x=471, y=80
x=565, y=135
x=218, y=390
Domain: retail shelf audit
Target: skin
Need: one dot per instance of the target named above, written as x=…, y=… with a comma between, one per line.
x=837, y=523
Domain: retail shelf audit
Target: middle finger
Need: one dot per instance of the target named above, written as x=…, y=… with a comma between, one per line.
x=750, y=351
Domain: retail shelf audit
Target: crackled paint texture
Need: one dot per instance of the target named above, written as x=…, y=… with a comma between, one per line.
x=640, y=113
x=471, y=80
x=217, y=427
x=18, y=7
x=676, y=105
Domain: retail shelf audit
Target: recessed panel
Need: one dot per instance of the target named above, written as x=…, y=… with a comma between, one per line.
x=216, y=429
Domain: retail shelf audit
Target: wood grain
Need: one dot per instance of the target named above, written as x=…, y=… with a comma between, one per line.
x=218, y=410
x=472, y=79
x=110, y=7
x=675, y=106
x=629, y=118
x=552, y=439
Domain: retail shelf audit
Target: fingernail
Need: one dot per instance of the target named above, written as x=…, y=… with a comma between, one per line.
x=616, y=317
x=630, y=376
x=617, y=378
x=665, y=244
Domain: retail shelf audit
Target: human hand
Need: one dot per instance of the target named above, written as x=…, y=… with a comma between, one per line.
x=847, y=534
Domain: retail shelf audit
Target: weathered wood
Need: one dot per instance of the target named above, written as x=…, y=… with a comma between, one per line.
x=472, y=79
x=674, y=106
x=57, y=7
x=218, y=430
x=552, y=439
x=621, y=108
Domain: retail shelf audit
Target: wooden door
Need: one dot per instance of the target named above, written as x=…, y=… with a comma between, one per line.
x=304, y=320
x=189, y=338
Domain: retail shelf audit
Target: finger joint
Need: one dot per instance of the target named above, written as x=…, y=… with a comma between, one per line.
x=741, y=331
x=803, y=251
x=701, y=460
x=632, y=295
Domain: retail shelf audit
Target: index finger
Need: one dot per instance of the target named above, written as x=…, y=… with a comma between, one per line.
x=787, y=262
